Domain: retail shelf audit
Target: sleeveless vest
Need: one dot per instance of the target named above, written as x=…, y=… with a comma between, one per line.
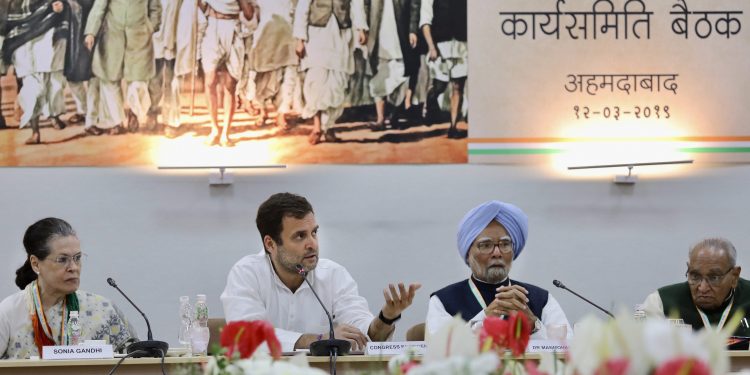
x=458, y=299
x=321, y=11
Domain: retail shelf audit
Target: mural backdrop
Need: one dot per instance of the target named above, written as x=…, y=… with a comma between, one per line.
x=232, y=82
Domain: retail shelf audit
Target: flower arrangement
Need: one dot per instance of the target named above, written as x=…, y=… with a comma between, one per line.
x=239, y=355
x=456, y=349
x=621, y=346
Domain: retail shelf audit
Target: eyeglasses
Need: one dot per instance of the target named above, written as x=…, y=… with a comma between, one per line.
x=694, y=278
x=488, y=246
x=65, y=260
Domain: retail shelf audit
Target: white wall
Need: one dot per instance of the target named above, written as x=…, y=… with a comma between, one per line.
x=162, y=235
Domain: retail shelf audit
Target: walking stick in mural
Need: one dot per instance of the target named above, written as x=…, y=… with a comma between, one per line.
x=194, y=70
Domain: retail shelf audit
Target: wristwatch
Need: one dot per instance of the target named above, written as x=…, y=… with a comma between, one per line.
x=537, y=325
x=386, y=320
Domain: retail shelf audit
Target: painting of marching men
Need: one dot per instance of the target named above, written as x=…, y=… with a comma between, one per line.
x=120, y=66
x=123, y=51
x=35, y=33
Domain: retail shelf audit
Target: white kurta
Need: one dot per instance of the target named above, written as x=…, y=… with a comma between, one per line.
x=254, y=291
x=389, y=46
x=390, y=79
x=653, y=306
x=165, y=39
x=552, y=314
x=191, y=25
x=329, y=47
x=328, y=61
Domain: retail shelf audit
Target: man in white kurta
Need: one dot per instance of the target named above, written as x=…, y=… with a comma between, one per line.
x=270, y=284
x=35, y=62
x=254, y=291
x=328, y=62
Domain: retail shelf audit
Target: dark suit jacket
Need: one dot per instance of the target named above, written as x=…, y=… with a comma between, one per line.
x=407, y=21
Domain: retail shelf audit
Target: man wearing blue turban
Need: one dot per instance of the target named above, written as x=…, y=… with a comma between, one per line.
x=490, y=237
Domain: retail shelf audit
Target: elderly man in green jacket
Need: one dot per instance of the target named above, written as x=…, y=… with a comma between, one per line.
x=123, y=51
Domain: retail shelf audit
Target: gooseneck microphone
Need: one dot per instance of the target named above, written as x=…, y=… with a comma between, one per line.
x=332, y=346
x=560, y=285
x=150, y=347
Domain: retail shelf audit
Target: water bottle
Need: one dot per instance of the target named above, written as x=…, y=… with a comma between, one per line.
x=74, y=328
x=199, y=331
x=186, y=320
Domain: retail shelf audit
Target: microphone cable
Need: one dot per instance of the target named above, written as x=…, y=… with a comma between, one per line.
x=123, y=358
x=163, y=355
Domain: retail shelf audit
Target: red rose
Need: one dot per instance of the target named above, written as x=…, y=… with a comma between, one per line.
x=244, y=337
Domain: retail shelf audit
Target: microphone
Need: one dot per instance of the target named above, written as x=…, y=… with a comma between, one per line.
x=332, y=346
x=148, y=348
x=560, y=285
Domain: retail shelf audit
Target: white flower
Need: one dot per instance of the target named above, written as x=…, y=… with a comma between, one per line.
x=645, y=345
x=455, y=339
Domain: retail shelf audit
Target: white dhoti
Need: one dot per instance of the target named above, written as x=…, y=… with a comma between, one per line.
x=35, y=65
x=55, y=95
x=389, y=82
x=452, y=63
x=112, y=110
x=223, y=44
x=78, y=92
x=325, y=91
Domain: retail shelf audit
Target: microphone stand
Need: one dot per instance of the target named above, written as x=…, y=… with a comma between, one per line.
x=148, y=348
x=332, y=347
x=560, y=285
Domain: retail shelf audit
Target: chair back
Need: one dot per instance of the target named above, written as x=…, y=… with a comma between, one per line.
x=214, y=329
x=415, y=333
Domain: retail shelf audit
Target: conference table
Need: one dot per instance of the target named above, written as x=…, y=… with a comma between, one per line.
x=353, y=364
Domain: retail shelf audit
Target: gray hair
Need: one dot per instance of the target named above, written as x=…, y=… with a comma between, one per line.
x=717, y=243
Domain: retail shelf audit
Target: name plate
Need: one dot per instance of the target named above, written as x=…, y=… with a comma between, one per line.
x=395, y=348
x=546, y=346
x=77, y=352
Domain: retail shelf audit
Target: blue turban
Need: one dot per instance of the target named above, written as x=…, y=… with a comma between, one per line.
x=515, y=222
